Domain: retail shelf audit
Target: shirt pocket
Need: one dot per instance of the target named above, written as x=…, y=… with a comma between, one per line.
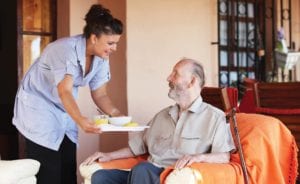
x=193, y=144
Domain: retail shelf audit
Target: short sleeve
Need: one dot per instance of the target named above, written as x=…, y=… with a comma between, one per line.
x=61, y=59
x=60, y=72
x=223, y=141
x=101, y=76
x=136, y=144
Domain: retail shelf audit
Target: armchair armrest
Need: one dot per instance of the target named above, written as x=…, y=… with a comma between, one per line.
x=186, y=175
x=203, y=173
x=86, y=171
x=18, y=171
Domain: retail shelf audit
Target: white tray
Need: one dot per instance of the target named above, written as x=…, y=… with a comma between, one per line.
x=113, y=128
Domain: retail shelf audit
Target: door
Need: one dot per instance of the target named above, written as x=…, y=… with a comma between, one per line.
x=36, y=28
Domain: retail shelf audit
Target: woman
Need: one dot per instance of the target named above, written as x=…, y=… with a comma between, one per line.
x=46, y=112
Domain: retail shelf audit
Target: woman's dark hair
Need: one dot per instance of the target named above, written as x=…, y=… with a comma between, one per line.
x=99, y=20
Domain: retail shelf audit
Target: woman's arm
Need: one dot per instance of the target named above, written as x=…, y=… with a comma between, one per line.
x=102, y=101
x=65, y=88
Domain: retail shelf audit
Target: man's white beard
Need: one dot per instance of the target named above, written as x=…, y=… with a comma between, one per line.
x=172, y=94
x=176, y=94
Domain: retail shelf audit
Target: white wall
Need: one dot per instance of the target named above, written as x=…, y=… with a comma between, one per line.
x=159, y=33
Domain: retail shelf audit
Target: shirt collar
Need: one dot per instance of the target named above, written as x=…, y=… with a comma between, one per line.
x=194, y=108
x=81, y=49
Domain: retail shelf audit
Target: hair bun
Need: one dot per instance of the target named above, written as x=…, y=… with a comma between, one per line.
x=97, y=11
x=99, y=20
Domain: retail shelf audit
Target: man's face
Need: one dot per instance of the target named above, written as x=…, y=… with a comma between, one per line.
x=179, y=81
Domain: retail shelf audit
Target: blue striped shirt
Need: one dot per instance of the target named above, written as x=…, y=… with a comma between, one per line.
x=38, y=112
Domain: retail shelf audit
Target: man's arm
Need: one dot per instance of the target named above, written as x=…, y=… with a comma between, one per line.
x=102, y=101
x=208, y=158
x=105, y=157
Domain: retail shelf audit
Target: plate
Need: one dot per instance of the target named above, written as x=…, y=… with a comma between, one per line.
x=113, y=128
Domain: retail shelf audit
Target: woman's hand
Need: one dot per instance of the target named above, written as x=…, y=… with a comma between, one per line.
x=98, y=156
x=88, y=126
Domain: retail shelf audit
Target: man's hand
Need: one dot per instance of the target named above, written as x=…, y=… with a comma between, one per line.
x=98, y=156
x=105, y=157
x=186, y=160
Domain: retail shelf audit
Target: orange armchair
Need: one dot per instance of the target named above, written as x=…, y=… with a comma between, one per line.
x=269, y=148
x=280, y=100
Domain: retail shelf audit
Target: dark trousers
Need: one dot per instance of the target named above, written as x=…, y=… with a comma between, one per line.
x=143, y=173
x=57, y=167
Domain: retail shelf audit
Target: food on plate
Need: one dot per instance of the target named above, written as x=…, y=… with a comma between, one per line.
x=101, y=119
x=131, y=124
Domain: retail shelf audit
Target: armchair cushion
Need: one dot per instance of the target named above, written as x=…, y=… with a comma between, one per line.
x=18, y=171
x=86, y=171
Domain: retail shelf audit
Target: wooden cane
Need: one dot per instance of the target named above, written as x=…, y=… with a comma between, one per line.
x=232, y=114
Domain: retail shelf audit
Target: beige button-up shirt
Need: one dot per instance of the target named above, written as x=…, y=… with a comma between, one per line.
x=200, y=129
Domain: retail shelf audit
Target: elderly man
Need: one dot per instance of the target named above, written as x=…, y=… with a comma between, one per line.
x=187, y=132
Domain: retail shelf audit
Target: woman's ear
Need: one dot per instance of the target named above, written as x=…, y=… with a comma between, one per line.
x=93, y=38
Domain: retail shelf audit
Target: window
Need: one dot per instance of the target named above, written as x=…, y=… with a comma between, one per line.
x=248, y=35
x=36, y=28
x=238, y=41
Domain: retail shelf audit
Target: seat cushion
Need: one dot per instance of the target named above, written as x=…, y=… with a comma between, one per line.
x=13, y=171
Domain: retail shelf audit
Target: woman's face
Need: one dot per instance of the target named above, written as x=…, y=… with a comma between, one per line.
x=104, y=45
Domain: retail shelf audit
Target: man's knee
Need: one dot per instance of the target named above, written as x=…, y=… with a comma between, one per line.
x=146, y=173
x=143, y=166
x=100, y=176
